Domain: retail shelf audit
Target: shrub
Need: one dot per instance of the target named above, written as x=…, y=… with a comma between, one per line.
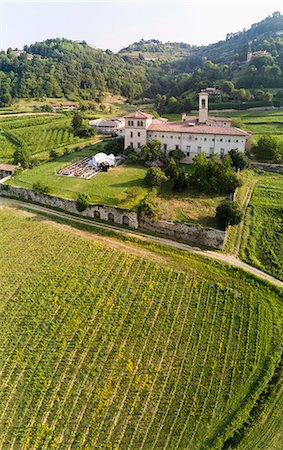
x=180, y=182
x=82, y=202
x=268, y=148
x=171, y=170
x=213, y=175
x=154, y=177
x=116, y=146
x=239, y=159
x=228, y=213
x=39, y=187
x=177, y=155
x=148, y=207
x=21, y=156
x=53, y=154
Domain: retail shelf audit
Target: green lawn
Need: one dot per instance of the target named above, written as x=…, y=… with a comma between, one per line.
x=107, y=344
x=262, y=242
x=121, y=186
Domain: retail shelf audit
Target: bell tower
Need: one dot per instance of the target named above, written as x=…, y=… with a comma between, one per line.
x=203, y=107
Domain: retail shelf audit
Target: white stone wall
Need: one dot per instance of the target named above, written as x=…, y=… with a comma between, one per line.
x=136, y=132
x=206, y=142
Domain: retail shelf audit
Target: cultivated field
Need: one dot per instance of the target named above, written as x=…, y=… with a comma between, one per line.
x=37, y=134
x=262, y=241
x=103, y=348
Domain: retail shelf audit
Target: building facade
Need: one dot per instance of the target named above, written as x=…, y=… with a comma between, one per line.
x=192, y=135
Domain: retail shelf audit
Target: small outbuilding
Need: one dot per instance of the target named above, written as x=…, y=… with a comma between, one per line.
x=7, y=170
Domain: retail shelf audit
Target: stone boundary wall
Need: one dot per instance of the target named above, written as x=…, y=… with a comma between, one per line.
x=187, y=233
x=108, y=213
x=269, y=167
x=191, y=234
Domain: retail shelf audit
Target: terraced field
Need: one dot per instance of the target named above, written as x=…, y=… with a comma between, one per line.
x=262, y=243
x=38, y=134
x=106, y=348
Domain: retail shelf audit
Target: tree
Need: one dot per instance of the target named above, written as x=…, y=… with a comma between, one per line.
x=180, y=182
x=77, y=122
x=21, y=156
x=154, y=177
x=268, y=149
x=239, y=159
x=228, y=213
x=53, y=154
x=152, y=151
x=171, y=170
x=148, y=207
x=82, y=202
x=177, y=154
x=213, y=175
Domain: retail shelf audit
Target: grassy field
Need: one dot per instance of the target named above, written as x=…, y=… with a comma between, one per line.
x=262, y=241
x=37, y=134
x=113, y=345
x=122, y=187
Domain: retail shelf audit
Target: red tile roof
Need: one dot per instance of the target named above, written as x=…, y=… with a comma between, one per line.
x=8, y=167
x=183, y=127
x=138, y=115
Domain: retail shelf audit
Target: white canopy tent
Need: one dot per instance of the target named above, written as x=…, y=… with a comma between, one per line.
x=102, y=158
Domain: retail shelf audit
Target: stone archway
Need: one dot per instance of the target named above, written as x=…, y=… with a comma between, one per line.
x=125, y=220
x=96, y=214
x=111, y=217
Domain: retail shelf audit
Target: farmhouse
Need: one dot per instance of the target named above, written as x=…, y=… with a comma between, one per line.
x=7, y=170
x=192, y=135
x=111, y=126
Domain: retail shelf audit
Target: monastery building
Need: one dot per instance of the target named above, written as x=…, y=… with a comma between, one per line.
x=211, y=135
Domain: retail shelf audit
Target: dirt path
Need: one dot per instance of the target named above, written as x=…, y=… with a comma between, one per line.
x=221, y=257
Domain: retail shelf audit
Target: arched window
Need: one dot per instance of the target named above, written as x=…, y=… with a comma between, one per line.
x=96, y=214
x=126, y=220
x=111, y=217
x=141, y=123
x=138, y=123
x=203, y=103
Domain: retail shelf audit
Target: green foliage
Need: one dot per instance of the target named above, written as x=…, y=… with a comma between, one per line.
x=228, y=213
x=171, y=170
x=154, y=177
x=115, y=146
x=40, y=188
x=180, y=182
x=82, y=202
x=77, y=121
x=239, y=159
x=152, y=151
x=21, y=156
x=53, y=154
x=148, y=206
x=268, y=148
x=177, y=155
x=213, y=175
